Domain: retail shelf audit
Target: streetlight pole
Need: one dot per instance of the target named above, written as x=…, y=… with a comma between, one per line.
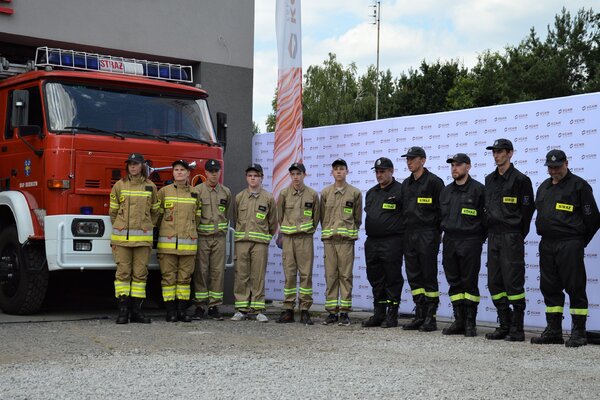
x=377, y=17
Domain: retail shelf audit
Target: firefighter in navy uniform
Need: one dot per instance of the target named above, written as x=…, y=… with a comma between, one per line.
x=567, y=220
x=464, y=227
x=421, y=210
x=383, y=247
x=178, y=241
x=133, y=214
x=509, y=206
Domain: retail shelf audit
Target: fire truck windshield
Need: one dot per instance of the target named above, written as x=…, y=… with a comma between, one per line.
x=100, y=110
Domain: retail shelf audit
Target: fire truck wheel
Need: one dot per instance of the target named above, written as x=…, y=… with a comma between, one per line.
x=24, y=274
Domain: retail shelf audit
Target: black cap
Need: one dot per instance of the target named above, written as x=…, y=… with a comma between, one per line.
x=135, y=157
x=339, y=161
x=212, y=165
x=383, y=163
x=500, y=144
x=555, y=158
x=299, y=166
x=183, y=163
x=415, y=151
x=255, y=167
x=459, y=158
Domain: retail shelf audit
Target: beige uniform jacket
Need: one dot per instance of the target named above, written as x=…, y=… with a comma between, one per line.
x=180, y=212
x=341, y=212
x=255, y=216
x=298, y=211
x=215, y=206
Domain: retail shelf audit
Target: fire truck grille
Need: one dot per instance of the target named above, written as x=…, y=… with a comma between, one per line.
x=92, y=183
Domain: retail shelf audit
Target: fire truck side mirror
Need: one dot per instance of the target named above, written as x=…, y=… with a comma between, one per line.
x=222, y=129
x=20, y=108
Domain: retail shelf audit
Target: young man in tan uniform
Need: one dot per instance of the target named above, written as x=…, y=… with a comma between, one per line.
x=255, y=225
x=341, y=216
x=298, y=211
x=215, y=202
x=178, y=241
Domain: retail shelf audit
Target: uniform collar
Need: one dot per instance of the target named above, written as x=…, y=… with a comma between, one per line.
x=388, y=187
x=342, y=189
x=506, y=175
x=463, y=187
x=421, y=178
x=299, y=191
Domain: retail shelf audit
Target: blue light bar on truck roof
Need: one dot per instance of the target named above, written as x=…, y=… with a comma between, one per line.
x=80, y=60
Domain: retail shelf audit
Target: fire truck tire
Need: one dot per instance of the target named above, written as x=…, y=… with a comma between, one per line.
x=23, y=290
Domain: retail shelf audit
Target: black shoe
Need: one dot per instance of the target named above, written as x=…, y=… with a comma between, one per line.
x=372, y=322
x=286, y=317
x=171, y=311
x=123, y=316
x=181, y=311
x=305, y=318
x=331, y=319
x=213, y=312
x=137, y=315
x=344, y=319
x=199, y=313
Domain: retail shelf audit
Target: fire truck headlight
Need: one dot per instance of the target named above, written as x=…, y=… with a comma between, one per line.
x=82, y=245
x=87, y=227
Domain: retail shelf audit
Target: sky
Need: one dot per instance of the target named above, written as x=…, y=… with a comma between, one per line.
x=410, y=31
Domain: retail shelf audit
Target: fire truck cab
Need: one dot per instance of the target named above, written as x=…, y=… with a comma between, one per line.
x=68, y=122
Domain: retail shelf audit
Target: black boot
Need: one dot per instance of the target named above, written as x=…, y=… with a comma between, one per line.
x=123, y=303
x=553, y=332
x=504, y=318
x=458, y=326
x=136, y=311
x=578, y=334
x=171, y=311
x=471, y=319
x=287, y=316
x=516, y=334
x=377, y=318
x=417, y=320
x=391, y=318
x=429, y=325
x=182, y=316
x=305, y=318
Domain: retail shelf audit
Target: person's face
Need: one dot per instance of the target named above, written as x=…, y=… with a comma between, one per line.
x=134, y=168
x=558, y=173
x=384, y=176
x=254, y=179
x=212, y=177
x=297, y=178
x=414, y=164
x=502, y=156
x=339, y=173
x=459, y=170
x=180, y=174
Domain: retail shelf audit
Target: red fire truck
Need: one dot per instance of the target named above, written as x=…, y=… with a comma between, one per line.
x=69, y=119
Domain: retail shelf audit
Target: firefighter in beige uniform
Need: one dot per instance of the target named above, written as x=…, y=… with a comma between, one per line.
x=298, y=211
x=255, y=225
x=341, y=216
x=133, y=214
x=178, y=241
x=215, y=200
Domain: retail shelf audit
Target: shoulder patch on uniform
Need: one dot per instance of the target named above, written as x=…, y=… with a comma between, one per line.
x=262, y=208
x=223, y=201
x=194, y=195
x=349, y=204
x=308, y=205
x=148, y=188
x=526, y=200
x=587, y=209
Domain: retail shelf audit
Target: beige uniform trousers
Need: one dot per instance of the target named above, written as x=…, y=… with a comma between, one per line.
x=297, y=257
x=132, y=270
x=176, y=273
x=249, y=282
x=209, y=273
x=339, y=260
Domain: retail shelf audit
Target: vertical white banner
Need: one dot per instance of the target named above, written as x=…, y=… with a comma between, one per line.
x=288, y=123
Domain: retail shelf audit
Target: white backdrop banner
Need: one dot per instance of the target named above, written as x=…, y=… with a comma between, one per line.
x=570, y=123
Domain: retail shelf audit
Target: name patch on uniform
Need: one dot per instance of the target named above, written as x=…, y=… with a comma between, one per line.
x=260, y=215
x=148, y=188
x=194, y=195
x=112, y=196
x=222, y=208
x=121, y=198
x=169, y=204
x=509, y=200
x=262, y=208
x=564, y=207
x=388, y=206
x=424, y=200
x=349, y=204
x=223, y=201
x=308, y=205
x=469, y=211
x=347, y=210
x=308, y=213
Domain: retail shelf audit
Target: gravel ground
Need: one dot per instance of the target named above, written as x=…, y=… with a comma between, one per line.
x=96, y=359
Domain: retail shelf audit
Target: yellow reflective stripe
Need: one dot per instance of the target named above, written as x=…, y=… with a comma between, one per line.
x=114, y=205
x=564, y=207
x=242, y=304
x=331, y=302
x=122, y=288
x=201, y=295
x=456, y=297
x=124, y=238
x=472, y=297
x=509, y=200
x=432, y=294
x=417, y=291
x=555, y=309
x=258, y=235
x=182, y=292
x=499, y=296
x=257, y=304
x=168, y=293
x=178, y=246
x=289, y=291
x=516, y=296
x=156, y=205
x=287, y=229
x=186, y=200
x=346, y=303
x=579, y=311
x=305, y=290
x=216, y=295
x=136, y=193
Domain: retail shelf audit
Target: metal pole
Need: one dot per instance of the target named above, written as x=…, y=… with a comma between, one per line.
x=377, y=77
